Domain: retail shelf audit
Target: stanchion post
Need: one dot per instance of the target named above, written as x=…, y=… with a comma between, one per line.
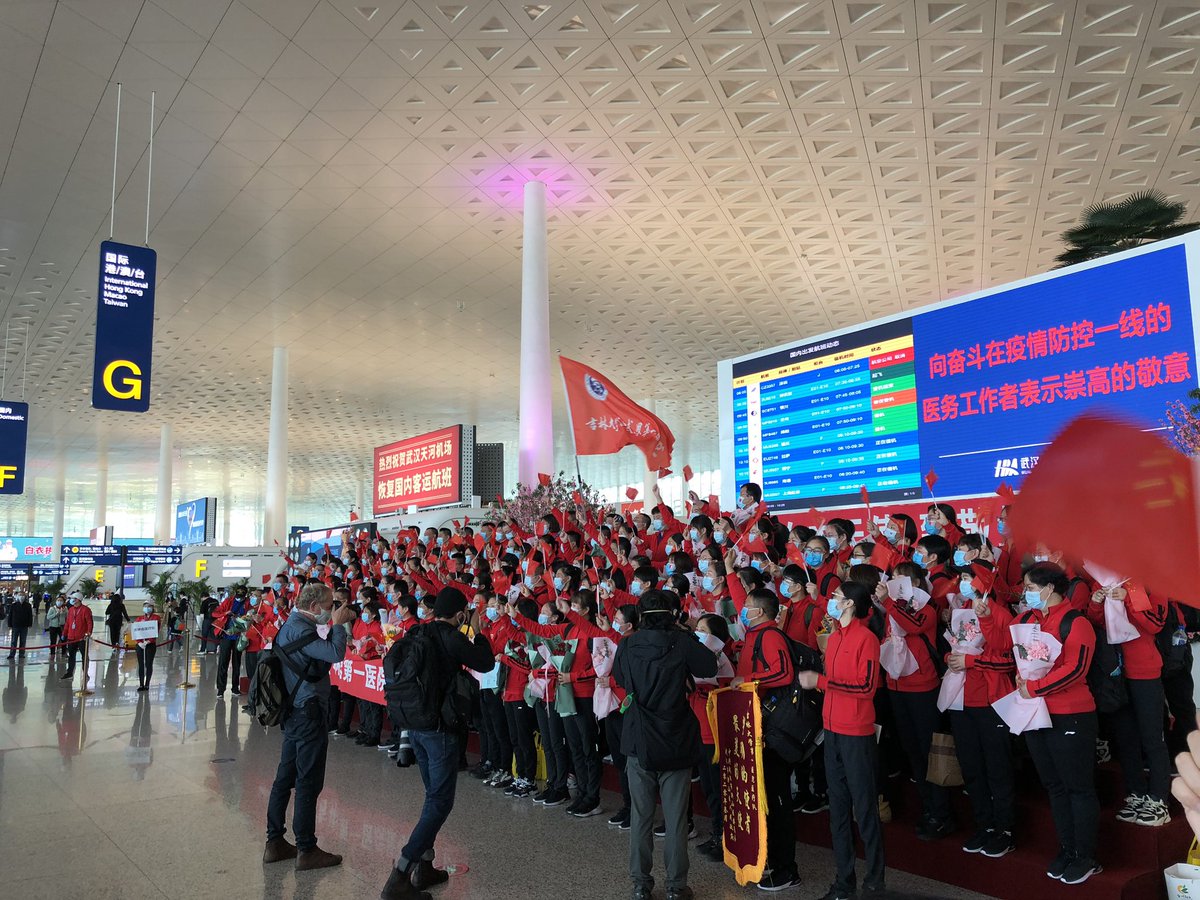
x=187, y=659
x=83, y=690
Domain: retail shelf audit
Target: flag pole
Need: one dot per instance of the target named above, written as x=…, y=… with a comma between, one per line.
x=570, y=422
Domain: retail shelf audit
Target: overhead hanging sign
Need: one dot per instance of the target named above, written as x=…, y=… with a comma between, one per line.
x=14, y=435
x=52, y=570
x=11, y=572
x=87, y=555
x=124, y=328
x=169, y=555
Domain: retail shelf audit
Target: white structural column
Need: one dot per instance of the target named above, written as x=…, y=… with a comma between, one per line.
x=164, y=521
x=535, y=450
x=275, y=513
x=225, y=503
x=60, y=505
x=650, y=479
x=30, y=504
x=102, y=486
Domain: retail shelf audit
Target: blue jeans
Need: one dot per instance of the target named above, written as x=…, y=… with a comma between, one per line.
x=301, y=765
x=437, y=758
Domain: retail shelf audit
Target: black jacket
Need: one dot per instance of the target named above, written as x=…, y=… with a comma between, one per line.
x=116, y=613
x=457, y=651
x=657, y=667
x=21, y=614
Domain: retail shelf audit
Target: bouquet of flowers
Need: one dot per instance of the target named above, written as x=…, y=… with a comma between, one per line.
x=1035, y=652
x=894, y=653
x=965, y=636
x=560, y=654
x=1116, y=617
x=604, y=652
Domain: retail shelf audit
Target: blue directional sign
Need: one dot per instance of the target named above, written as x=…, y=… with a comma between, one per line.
x=170, y=555
x=84, y=555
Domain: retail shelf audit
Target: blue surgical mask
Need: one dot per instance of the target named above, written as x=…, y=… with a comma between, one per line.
x=813, y=558
x=857, y=560
x=966, y=590
x=636, y=589
x=785, y=589
x=468, y=559
x=346, y=560
x=1033, y=599
x=525, y=566
x=694, y=534
x=543, y=619
x=1002, y=527
x=918, y=558
x=890, y=533
x=834, y=541
x=656, y=525
x=1041, y=559
x=386, y=556
x=493, y=614
x=744, y=617
x=832, y=608
x=441, y=541
x=366, y=617
x=669, y=569
x=703, y=563
x=960, y=558
x=559, y=583
x=508, y=535
x=708, y=583
x=756, y=565
x=719, y=537
x=419, y=593
x=426, y=613
x=930, y=527
x=278, y=585
x=529, y=581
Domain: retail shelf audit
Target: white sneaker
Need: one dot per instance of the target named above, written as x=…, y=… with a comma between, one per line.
x=1153, y=813
x=1132, y=808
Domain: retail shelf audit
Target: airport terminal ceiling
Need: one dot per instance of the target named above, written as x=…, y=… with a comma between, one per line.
x=343, y=177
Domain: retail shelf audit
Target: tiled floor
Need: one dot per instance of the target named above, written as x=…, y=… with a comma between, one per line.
x=121, y=795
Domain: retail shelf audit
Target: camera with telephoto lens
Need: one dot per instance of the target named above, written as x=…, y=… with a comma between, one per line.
x=405, y=757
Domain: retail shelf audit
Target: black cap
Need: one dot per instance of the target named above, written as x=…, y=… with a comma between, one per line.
x=449, y=603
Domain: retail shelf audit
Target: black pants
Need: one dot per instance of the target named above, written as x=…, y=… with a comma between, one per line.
x=612, y=731
x=55, y=637
x=348, y=706
x=251, y=660
x=17, y=640
x=145, y=656
x=500, y=748
x=73, y=648
x=301, y=766
x=1180, y=694
x=781, y=820
x=1065, y=757
x=206, y=636
x=229, y=653
x=710, y=784
x=521, y=725
x=984, y=749
x=850, y=766
x=582, y=735
x=1141, y=745
x=114, y=635
x=554, y=746
x=917, y=717
x=370, y=719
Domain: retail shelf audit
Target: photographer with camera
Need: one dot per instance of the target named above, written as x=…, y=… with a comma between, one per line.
x=305, y=741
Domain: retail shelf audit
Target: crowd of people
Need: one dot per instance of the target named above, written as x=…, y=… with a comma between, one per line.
x=910, y=620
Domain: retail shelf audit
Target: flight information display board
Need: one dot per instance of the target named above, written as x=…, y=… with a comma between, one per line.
x=973, y=388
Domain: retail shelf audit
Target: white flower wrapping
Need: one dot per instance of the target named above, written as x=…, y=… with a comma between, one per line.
x=604, y=651
x=966, y=637
x=1035, y=653
x=894, y=654
x=1116, y=618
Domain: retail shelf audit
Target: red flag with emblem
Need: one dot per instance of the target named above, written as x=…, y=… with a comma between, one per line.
x=1101, y=472
x=604, y=420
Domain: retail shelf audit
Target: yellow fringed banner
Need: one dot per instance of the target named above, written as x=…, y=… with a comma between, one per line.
x=736, y=720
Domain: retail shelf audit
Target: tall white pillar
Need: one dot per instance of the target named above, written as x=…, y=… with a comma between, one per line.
x=650, y=479
x=535, y=449
x=275, y=513
x=226, y=505
x=30, y=505
x=163, y=518
x=102, y=487
x=60, y=506
x=360, y=492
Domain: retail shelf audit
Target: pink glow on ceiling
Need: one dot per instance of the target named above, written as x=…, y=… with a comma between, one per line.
x=505, y=187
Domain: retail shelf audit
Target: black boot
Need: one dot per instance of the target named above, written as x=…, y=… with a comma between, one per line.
x=399, y=887
x=424, y=875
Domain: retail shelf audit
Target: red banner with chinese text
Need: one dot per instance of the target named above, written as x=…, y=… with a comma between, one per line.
x=604, y=420
x=736, y=720
x=423, y=471
x=359, y=678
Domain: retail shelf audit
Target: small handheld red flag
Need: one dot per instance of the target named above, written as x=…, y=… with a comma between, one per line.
x=931, y=479
x=663, y=473
x=866, y=498
x=457, y=524
x=631, y=493
x=687, y=473
x=543, y=479
x=578, y=498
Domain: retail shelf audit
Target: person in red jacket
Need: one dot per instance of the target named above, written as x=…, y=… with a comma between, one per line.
x=146, y=648
x=77, y=630
x=981, y=739
x=1137, y=727
x=509, y=643
x=914, y=696
x=766, y=659
x=850, y=680
x=1065, y=753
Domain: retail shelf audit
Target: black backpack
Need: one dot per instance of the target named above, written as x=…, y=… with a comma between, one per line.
x=1106, y=675
x=791, y=715
x=414, y=680
x=1175, y=657
x=271, y=701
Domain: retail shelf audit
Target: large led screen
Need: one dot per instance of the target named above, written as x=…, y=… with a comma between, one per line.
x=973, y=388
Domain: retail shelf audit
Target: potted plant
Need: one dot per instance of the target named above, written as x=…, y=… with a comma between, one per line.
x=1111, y=227
x=160, y=591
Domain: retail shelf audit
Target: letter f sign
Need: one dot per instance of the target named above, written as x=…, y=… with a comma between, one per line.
x=7, y=474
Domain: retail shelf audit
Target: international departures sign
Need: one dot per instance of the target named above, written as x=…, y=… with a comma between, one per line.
x=14, y=434
x=124, y=328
